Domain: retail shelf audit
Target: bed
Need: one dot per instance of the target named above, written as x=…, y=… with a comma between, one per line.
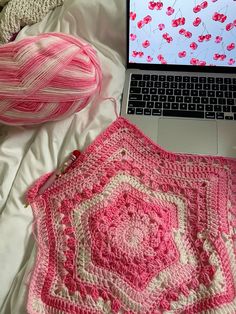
x=26, y=153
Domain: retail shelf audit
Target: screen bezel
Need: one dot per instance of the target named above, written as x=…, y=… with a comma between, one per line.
x=169, y=67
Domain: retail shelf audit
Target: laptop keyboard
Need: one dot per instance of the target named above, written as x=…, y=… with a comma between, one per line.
x=182, y=96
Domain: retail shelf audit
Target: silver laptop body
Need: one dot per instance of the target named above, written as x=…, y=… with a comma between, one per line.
x=184, y=46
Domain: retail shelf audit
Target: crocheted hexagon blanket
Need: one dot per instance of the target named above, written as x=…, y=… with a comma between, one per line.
x=133, y=229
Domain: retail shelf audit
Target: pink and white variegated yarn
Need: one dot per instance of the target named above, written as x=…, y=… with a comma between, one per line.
x=46, y=77
x=133, y=229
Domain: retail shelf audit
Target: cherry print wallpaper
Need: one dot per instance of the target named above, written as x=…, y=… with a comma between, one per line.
x=188, y=32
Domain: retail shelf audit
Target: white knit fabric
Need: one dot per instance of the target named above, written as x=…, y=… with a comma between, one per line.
x=3, y=2
x=18, y=13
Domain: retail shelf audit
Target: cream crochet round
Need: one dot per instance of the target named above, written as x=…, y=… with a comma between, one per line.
x=18, y=13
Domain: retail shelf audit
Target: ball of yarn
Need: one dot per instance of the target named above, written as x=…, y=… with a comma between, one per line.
x=46, y=77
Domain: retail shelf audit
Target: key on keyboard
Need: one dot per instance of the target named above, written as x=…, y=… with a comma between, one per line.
x=182, y=96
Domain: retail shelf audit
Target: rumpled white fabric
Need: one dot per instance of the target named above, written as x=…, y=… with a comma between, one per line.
x=26, y=153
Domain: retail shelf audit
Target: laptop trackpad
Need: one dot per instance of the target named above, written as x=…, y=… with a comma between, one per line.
x=188, y=136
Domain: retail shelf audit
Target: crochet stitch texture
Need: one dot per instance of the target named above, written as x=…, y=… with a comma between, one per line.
x=134, y=229
x=18, y=13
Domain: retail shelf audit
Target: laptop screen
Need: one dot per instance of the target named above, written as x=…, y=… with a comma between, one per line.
x=183, y=32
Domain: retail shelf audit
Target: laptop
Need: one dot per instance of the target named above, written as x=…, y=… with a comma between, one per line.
x=180, y=86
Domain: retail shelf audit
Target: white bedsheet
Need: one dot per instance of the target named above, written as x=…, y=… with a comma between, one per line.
x=28, y=152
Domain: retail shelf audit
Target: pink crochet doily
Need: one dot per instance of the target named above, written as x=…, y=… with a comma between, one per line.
x=131, y=228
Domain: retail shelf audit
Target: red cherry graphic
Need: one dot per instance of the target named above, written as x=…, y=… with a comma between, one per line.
x=140, y=24
x=177, y=22
x=223, y=18
x=152, y=5
x=182, y=20
x=219, y=17
x=174, y=23
x=161, y=26
x=202, y=63
x=231, y=61
x=182, y=31
x=170, y=11
x=204, y=4
x=208, y=37
x=146, y=44
x=133, y=36
x=230, y=46
x=215, y=16
x=229, y=26
x=167, y=37
x=193, y=46
x=134, y=53
x=194, y=61
x=182, y=54
x=140, y=54
x=159, y=5
x=217, y=56
x=197, y=8
x=188, y=34
x=149, y=59
x=201, y=38
x=197, y=21
x=163, y=61
x=132, y=16
x=222, y=57
x=218, y=39
x=160, y=57
x=147, y=19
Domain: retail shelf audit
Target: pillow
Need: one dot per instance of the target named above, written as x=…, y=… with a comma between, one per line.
x=46, y=77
